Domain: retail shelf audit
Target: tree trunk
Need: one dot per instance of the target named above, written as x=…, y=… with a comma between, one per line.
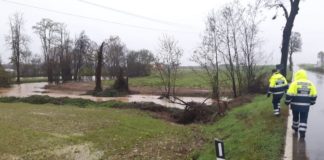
x=286, y=35
x=50, y=75
x=121, y=83
x=290, y=62
x=18, y=71
x=238, y=70
x=234, y=86
x=75, y=76
x=98, y=87
x=169, y=83
x=215, y=88
x=18, y=63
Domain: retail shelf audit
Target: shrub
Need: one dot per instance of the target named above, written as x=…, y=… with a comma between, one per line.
x=4, y=78
x=36, y=99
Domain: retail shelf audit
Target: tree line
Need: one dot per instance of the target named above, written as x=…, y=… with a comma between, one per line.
x=66, y=59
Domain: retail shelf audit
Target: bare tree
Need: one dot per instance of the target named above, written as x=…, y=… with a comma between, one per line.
x=47, y=32
x=115, y=56
x=17, y=41
x=228, y=47
x=167, y=64
x=207, y=55
x=116, y=63
x=98, y=87
x=231, y=39
x=250, y=43
x=234, y=14
x=65, y=52
x=290, y=16
x=82, y=45
x=295, y=45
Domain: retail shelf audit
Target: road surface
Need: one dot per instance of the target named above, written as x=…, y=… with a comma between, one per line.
x=312, y=147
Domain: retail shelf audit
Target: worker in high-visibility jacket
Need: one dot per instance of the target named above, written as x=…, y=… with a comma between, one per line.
x=301, y=95
x=277, y=87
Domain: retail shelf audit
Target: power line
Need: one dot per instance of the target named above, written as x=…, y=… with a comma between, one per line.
x=131, y=14
x=91, y=18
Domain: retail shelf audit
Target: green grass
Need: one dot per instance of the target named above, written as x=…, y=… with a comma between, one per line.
x=249, y=132
x=31, y=79
x=48, y=131
x=186, y=78
x=37, y=131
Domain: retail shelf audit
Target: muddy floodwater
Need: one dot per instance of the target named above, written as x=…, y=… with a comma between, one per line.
x=28, y=89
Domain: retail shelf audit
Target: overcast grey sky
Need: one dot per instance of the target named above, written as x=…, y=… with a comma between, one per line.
x=187, y=18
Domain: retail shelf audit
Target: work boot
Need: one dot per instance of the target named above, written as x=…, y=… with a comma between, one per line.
x=276, y=112
x=295, y=129
x=302, y=135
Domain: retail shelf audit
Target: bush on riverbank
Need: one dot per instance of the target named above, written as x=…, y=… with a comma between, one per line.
x=4, y=78
x=48, y=100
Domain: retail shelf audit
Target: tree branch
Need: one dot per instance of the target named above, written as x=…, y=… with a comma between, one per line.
x=284, y=9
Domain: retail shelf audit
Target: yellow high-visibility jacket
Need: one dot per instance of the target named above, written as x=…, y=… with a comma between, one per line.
x=277, y=84
x=301, y=92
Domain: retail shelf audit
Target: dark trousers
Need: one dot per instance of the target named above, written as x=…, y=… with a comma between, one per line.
x=276, y=102
x=300, y=116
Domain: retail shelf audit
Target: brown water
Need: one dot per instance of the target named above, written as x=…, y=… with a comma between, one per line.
x=28, y=89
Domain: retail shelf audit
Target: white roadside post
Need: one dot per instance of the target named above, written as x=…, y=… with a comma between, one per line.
x=220, y=154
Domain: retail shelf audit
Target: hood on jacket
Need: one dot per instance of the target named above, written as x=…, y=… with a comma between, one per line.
x=300, y=74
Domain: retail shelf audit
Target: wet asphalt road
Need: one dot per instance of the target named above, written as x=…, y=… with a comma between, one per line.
x=312, y=147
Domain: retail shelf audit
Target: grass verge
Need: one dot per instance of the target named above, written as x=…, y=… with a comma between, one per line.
x=249, y=132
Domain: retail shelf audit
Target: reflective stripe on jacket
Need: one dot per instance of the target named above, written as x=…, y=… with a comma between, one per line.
x=277, y=84
x=301, y=92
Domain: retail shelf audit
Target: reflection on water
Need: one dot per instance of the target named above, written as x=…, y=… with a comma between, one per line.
x=319, y=78
x=299, y=148
x=315, y=130
x=28, y=89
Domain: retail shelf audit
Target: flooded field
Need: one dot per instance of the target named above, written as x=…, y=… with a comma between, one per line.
x=28, y=89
